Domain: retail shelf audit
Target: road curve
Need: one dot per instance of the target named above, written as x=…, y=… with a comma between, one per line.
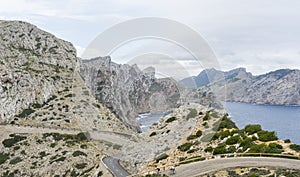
x=112, y=163
x=207, y=166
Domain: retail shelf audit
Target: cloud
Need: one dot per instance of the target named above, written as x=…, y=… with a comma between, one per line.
x=259, y=35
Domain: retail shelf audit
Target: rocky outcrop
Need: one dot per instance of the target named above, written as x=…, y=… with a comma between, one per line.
x=40, y=84
x=279, y=87
x=126, y=90
x=33, y=65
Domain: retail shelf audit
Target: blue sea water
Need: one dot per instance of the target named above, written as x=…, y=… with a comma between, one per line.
x=285, y=120
x=147, y=119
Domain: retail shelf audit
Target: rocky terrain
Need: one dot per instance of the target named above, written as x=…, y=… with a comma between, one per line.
x=49, y=154
x=68, y=104
x=40, y=84
x=40, y=87
x=279, y=87
x=194, y=133
x=254, y=172
x=128, y=91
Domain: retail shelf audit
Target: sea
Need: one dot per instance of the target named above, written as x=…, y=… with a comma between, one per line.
x=284, y=120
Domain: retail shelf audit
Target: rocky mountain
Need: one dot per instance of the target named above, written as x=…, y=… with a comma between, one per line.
x=279, y=87
x=40, y=84
x=128, y=91
x=46, y=106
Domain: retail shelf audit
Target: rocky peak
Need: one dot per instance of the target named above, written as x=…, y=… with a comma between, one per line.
x=31, y=62
x=126, y=90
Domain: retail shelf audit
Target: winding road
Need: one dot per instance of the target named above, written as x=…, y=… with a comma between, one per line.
x=112, y=163
x=114, y=137
x=189, y=170
x=207, y=166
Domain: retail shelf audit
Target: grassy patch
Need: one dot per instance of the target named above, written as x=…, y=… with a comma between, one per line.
x=192, y=113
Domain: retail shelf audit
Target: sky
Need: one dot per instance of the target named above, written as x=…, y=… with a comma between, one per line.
x=260, y=35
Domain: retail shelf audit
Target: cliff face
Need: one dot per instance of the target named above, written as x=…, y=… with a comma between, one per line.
x=40, y=84
x=30, y=66
x=278, y=87
x=126, y=90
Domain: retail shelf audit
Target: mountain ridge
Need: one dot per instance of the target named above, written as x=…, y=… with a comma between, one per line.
x=277, y=87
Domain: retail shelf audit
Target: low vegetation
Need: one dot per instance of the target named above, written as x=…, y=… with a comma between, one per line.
x=171, y=119
x=193, y=113
x=295, y=147
x=13, y=140
x=185, y=146
x=161, y=157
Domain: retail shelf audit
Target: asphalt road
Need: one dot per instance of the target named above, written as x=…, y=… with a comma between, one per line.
x=207, y=166
x=112, y=163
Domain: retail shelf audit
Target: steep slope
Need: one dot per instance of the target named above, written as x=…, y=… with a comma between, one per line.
x=277, y=87
x=126, y=90
x=40, y=84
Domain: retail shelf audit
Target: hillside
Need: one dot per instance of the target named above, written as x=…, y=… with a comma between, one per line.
x=128, y=91
x=280, y=87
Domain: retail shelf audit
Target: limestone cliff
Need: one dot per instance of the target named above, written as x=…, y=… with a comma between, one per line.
x=279, y=87
x=40, y=84
x=126, y=90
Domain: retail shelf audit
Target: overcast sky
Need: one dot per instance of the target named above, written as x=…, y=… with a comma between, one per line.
x=260, y=35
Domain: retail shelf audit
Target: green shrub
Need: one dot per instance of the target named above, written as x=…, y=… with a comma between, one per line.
x=171, y=119
x=207, y=116
x=274, y=148
x=214, y=114
x=3, y=157
x=80, y=165
x=199, y=133
x=192, y=113
x=191, y=151
x=185, y=146
x=251, y=129
x=26, y=113
x=258, y=148
x=266, y=136
x=231, y=149
x=226, y=123
x=100, y=173
x=83, y=146
x=78, y=153
x=12, y=141
x=209, y=149
x=263, y=148
x=15, y=160
x=58, y=160
x=152, y=134
x=191, y=137
x=295, y=147
x=220, y=149
x=233, y=140
x=81, y=137
x=42, y=154
x=246, y=143
x=161, y=157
